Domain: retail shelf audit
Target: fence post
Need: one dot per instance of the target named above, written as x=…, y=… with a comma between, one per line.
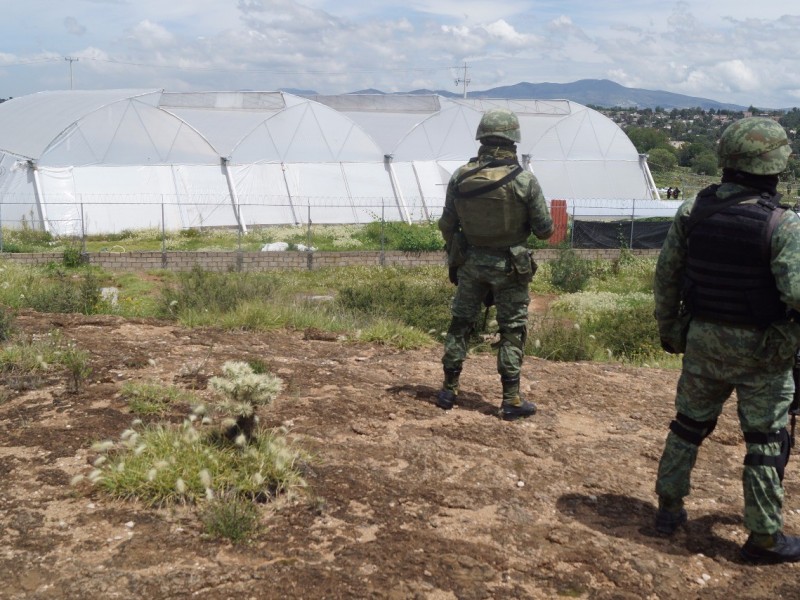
x=382, y=260
x=572, y=230
x=83, y=232
x=163, y=236
x=1, y=226
x=309, y=254
x=633, y=216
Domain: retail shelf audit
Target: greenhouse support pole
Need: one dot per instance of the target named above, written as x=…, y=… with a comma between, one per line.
x=1, y=226
x=37, y=192
x=398, y=193
x=651, y=184
x=425, y=212
x=237, y=208
x=289, y=194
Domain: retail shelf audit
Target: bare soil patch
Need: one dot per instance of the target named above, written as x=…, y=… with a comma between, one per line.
x=404, y=500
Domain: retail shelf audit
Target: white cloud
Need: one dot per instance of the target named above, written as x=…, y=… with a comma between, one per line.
x=150, y=35
x=730, y=51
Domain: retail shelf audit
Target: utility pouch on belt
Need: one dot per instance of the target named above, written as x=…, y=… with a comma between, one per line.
x=457, y=255
x=523, y=263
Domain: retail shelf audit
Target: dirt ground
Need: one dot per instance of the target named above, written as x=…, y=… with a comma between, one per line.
x=404, y=500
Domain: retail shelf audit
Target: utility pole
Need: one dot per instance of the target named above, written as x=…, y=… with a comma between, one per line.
x=71, y=60
x=463, y=81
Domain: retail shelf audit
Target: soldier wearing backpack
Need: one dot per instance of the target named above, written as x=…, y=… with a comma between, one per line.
x=492, y=207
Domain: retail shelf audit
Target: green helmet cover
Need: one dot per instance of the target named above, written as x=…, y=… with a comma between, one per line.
x=755, y=145
x=499, y=122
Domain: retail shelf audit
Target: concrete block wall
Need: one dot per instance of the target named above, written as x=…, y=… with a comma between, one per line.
x=267, y=261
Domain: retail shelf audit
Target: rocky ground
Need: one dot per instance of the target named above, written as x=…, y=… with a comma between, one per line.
x=403, y=500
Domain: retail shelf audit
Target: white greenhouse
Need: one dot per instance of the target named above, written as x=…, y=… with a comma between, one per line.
x=76, y=162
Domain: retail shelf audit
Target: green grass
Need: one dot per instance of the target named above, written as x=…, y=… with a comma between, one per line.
x=163, y=464
x=401, y=307
x=147, y=398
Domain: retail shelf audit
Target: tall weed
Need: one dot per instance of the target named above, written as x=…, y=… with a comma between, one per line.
x=214, y=292
x=555, y=339
x=569, y=272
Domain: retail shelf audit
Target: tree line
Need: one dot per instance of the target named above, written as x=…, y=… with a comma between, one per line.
x=688, y=137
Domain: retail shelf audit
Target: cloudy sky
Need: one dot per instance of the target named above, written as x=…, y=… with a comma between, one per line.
x=736, y=51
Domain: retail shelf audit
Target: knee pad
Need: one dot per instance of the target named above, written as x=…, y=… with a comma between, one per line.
x=680, y=427
x=777, y=462
x=461, y=328
x=514, y=337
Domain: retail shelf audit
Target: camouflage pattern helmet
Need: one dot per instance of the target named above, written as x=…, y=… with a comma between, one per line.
x=499, y=122
x=755, y=145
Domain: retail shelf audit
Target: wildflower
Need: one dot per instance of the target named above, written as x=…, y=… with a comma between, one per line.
x=205, y=478
x=76, y=480
x=99, y=461
x=180, y=486
x=102, y=446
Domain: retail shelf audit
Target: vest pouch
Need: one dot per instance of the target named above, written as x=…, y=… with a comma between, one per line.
x=523, y=264
x=457, y=255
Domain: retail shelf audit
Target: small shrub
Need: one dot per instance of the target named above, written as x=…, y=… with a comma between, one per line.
x=568, y=272
x=63, y=293
x=214, y=292
x=555, y=339
x=243, y=391
x=72, y=257
x=230, y=518
x=77, y=363
x=388, y=294
x=629, y=332
x=406, y=237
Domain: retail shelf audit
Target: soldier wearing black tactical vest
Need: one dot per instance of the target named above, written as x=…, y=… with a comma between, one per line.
x=727, y=292
x=492, y=207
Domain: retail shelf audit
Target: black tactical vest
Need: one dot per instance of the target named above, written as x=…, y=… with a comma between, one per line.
x=728, y=277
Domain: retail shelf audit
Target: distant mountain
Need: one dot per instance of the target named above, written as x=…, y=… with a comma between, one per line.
x=605, y=93
x=595, y=92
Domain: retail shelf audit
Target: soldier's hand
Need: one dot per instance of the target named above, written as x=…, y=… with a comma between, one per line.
x=452, y=275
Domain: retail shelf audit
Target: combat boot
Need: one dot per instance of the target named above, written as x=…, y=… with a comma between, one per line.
x=514, y=405
x=446, y=397
x=771, y=549
x=670, y=515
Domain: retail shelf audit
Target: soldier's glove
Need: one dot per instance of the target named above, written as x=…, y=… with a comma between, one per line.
x=667, y=347
x=488, y=299
x=452, y=275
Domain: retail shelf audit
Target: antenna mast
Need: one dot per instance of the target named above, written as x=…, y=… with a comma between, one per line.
x=463, y=81
x=71, y=60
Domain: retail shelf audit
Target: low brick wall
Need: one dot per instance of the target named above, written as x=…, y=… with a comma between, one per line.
x=269, y=261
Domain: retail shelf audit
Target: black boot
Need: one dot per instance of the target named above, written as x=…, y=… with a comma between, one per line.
x=514, y=405
x=446, y=397
x=770, y=550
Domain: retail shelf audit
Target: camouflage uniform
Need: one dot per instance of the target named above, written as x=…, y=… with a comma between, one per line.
x=720, y=357
x=485, y=236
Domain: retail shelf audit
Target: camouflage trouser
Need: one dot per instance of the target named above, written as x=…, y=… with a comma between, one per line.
x=763, y=403
x=477, y=276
